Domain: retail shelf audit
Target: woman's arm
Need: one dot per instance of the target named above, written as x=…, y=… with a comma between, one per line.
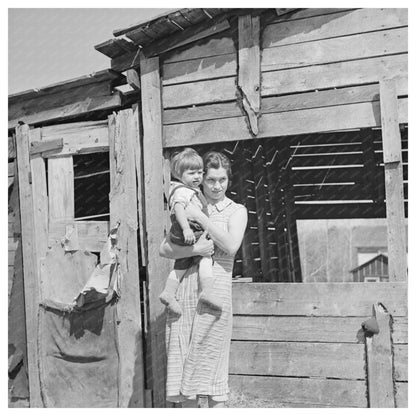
x=227, y=241
x=202, y=247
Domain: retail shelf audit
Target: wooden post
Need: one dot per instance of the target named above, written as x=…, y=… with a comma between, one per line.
x=249, y=67
x=29, y=262
x=157, y=267
x=392, y=156
x=124, y=140
x=380, y=361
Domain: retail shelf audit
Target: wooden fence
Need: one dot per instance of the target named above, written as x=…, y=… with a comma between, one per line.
x=302, y=345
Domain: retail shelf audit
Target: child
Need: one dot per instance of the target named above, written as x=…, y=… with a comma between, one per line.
x=187, y=168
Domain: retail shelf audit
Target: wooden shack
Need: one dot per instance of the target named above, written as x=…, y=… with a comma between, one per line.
x=311, y=107
x=373, y=270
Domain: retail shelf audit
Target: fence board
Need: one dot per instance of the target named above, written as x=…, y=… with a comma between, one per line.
x=332, y=25
x=343, y=361
x=302, y=329
x=401, y=395
x=363, y=45
x=200, y=69
x=400, y=361
x=123, y=210
x=303, y=392
x=318, y=299
x=307, y=121
x=338, y=74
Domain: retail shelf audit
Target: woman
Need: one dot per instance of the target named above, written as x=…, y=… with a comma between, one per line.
x=198, y=342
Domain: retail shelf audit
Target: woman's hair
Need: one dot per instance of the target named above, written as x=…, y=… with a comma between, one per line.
x=216, y=160
x=185, y=159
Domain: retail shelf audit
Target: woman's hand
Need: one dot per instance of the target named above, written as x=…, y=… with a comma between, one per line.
x=204, y=247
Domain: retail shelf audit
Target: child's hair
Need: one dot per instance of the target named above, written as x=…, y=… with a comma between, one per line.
x=217, y=160
x=188, y=158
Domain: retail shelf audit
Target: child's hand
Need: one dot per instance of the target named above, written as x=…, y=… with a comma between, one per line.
x=188, y=236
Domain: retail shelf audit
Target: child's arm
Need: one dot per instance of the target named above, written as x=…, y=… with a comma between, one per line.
x=180, y=215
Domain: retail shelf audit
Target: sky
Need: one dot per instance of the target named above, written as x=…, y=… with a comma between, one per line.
x=48, y=45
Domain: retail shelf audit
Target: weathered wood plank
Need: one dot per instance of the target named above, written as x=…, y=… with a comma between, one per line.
x=332, y=25
x=37, y=147
x=123, y=211
x=392, y=157
x=157, y=268
x=200, y=69
x=336, y=75
x=380, y=361
x=209, y=91
x=318, y=299
x=220, y=44
x=401, y=360
x=360, y=115
x=303, y=392
x=61, y=105
x=294, y=359
x=400, y=330
x=249, y=67
x=302, y=329
x=359, y=94
x=308, y=13
x=29, y=263
x=85, y=137
x=181, y=38
x=86, y=235
x=360, y=46
x=402, y=395
x=61, y=188
x=140, y=184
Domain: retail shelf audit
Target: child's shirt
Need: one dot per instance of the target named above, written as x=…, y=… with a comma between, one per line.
x=185, y=195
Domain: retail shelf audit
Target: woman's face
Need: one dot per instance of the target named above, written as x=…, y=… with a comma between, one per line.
x=215, y=184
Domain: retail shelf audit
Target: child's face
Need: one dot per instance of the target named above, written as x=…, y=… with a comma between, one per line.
x=192, y=177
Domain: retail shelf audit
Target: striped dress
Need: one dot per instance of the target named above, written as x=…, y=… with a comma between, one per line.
x=198, y=342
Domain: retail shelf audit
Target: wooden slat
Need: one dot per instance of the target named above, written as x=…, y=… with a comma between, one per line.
x=302, y=392
x=341, y=117
x=29, y=263
x=380, y=361
x=60, y=106
x=392, y=156
x=338, y=74
x=347, y=48
x=291, y=359
x=302, y=329
x=61, y=188
x=308, y=13
x=87, y=235
x=157, y=268
x=210, y=91
x=365, y=93
x=332, y=25
x=140, y=184
x=200, y=69
x=78, y=138
x=220, y=44
x=249, y=67
x=123, y=211
x=400, y=360
x=402, y=395
x=181, y=38
x=400, y=331
x=318, y=299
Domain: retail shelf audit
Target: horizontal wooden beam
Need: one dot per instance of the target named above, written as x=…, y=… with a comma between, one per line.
x=332, y=25
x=299, y=392
x=360, y=115
x=189, y=35
x=307, y=329
x=37, y=147
x=338, y=49
x=294, y=359
x=316, y=299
